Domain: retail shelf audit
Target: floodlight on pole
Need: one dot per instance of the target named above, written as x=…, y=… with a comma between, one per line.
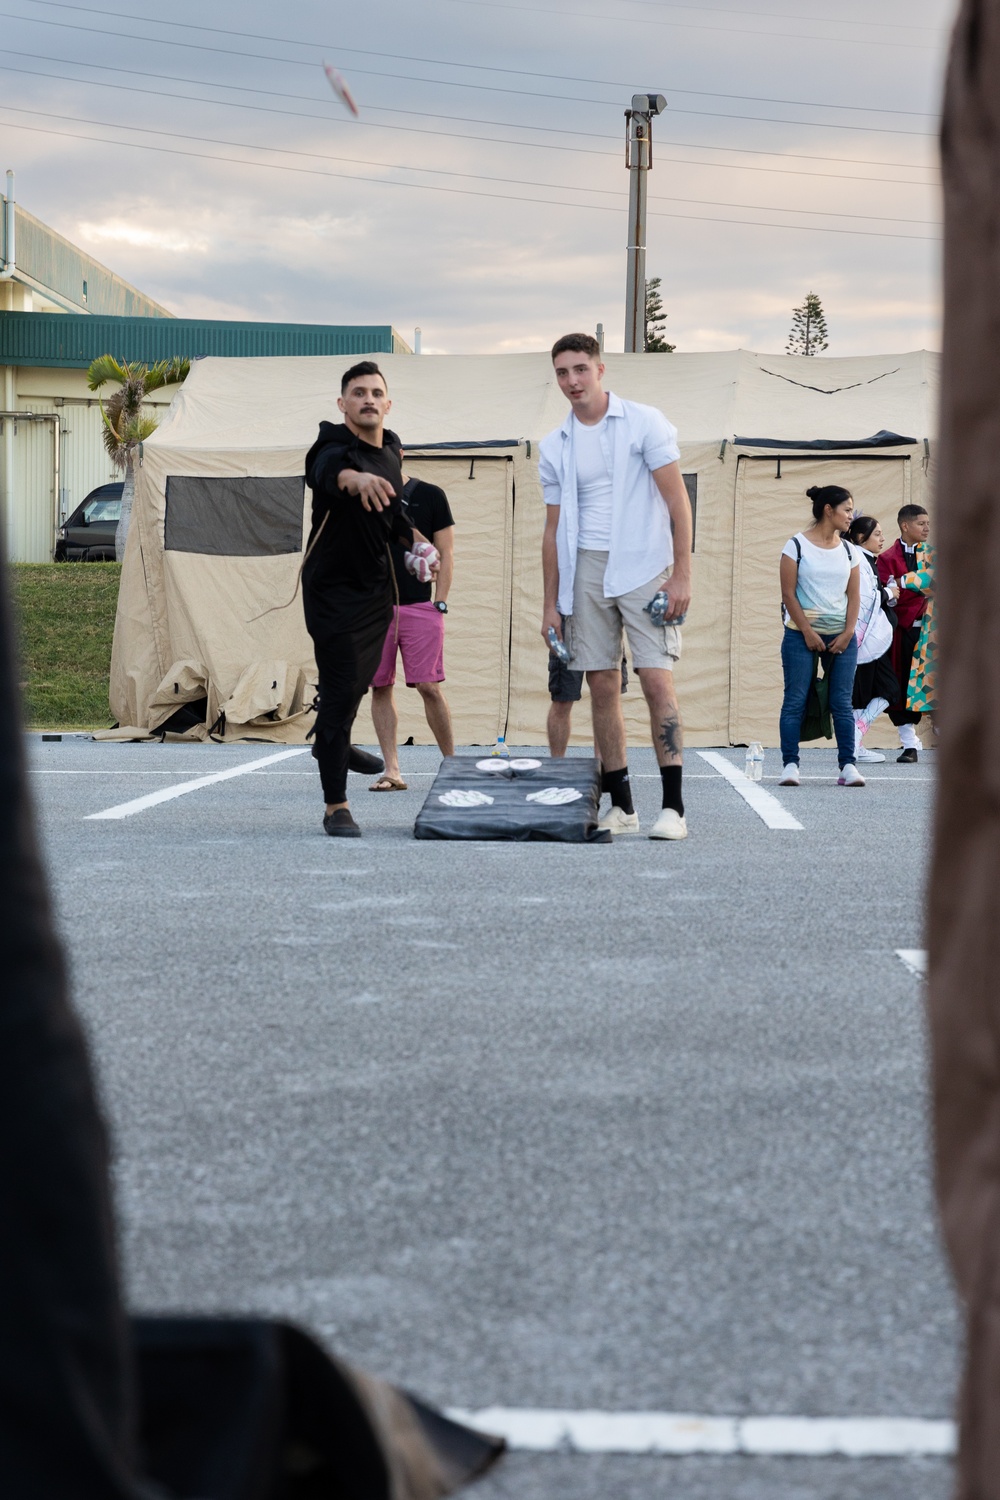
x=638, y=160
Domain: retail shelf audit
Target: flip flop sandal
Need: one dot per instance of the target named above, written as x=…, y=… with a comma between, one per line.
x=388, y=783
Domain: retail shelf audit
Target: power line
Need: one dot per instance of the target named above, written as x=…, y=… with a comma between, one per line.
x=443, y=62
x=449, y=135
x=804, y=36
x=683, y=25
x=546, y=145
x=448, y=82
x=722, y=10
x=395, y=166
x=457, y=192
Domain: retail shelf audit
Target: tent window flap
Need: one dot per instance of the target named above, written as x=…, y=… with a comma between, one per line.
x=251, y=516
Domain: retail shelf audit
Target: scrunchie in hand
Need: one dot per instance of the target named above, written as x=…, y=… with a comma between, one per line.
x=421, y=560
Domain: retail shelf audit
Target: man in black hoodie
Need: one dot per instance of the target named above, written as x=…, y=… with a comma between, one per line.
x=353, y=470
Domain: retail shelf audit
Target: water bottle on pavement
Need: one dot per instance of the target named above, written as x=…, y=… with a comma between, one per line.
x=755, y=761
x=500, y=748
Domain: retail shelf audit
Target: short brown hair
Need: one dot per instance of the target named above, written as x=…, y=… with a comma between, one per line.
x=577, y=343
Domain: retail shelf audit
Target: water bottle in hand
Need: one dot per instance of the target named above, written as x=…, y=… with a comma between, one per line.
x=558, y=648
x=658, y=608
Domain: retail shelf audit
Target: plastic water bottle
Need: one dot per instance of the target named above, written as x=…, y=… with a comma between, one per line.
x=558, y=648
x=755, y=762
x=500, y=748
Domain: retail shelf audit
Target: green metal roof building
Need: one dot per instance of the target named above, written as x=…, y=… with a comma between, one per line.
x=69, y=341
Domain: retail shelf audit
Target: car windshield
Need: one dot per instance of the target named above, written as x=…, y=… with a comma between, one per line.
x=106, y=508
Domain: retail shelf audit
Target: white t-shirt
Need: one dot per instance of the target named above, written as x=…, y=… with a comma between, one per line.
x=591, y=452
x=821, y=588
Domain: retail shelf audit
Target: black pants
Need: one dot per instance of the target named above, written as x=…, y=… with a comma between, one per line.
x=907, y=637
x=347, y=663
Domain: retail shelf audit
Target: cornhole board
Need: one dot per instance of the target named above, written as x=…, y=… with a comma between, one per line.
x=482, y=797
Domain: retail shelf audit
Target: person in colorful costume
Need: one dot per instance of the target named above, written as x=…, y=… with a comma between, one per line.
x=921, y=692
x=900, y=558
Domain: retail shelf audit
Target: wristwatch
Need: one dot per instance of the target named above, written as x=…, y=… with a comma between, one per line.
x=440, y=606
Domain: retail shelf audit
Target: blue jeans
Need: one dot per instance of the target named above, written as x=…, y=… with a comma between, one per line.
x=799, y=666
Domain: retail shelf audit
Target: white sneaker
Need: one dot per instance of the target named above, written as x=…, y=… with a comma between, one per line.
x=617, y=821
x=869, y=755
x=851, y=776
x=669, y=825
x=790, y=775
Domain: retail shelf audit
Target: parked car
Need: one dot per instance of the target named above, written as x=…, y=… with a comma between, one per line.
x=88, y=535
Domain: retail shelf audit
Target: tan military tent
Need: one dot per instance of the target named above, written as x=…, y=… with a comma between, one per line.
x=221, y=514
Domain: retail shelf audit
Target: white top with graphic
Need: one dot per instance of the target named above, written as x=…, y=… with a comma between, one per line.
x=821, y=587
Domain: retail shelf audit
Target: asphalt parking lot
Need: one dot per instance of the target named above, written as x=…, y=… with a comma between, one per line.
x=627, y=1128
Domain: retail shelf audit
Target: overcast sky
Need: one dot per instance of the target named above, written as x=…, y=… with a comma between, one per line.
x=482, y=195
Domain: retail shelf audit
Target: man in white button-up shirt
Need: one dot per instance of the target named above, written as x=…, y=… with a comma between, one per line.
x=617, y=530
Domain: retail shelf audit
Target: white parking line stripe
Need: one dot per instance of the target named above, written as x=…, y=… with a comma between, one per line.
x=543, y=1431
x=766, y=806
x=165, y=794
x=915, y=960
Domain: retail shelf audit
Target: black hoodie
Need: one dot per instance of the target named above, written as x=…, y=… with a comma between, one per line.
x=347, y=578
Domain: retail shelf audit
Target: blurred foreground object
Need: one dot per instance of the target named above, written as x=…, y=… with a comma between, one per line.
x=219, y=1409
x=964, y=914
x=66, y=1408
x=248, y=1409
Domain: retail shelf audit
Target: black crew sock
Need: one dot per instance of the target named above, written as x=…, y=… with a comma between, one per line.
x=617, y=784
x=671, y=778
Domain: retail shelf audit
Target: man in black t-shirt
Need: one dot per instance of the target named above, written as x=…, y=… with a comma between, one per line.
x=417, y=633
x=355, y=475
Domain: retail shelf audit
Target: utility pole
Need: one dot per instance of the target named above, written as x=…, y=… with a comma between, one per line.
x=638, y=160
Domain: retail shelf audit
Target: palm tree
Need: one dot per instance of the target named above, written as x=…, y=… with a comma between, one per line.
x=126, y=426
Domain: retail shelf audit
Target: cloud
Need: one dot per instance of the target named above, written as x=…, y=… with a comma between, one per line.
x=410, y=216
x=117, y=232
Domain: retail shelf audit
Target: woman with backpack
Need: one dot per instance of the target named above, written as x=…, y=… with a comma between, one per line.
x=820, y=595
x=875, y=682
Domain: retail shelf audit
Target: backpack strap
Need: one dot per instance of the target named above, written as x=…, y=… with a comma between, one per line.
x=785, y=617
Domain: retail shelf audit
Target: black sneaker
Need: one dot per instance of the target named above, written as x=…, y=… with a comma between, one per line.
x=340, y=824
x=908, y=758
x=361, y=761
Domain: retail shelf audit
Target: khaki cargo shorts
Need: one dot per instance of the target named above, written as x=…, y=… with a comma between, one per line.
x=594, y=630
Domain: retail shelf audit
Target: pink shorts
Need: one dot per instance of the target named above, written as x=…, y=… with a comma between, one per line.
x=417, y=630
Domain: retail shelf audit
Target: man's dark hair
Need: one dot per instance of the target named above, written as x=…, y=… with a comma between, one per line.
x=364, y=367
x=577, y=343
x=909, y=513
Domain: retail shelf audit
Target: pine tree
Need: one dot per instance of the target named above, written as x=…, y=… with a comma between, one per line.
x=808, y=332
x=656, y=320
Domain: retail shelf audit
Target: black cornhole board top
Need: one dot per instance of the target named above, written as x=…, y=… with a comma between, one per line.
x=510, y=815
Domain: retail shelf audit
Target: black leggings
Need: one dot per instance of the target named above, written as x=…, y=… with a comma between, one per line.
x=347, y=663
x=908, y=638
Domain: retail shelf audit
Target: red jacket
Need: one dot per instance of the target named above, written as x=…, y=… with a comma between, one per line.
x=892, y=563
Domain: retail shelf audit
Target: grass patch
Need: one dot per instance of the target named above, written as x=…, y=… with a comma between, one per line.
x=65, y=614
